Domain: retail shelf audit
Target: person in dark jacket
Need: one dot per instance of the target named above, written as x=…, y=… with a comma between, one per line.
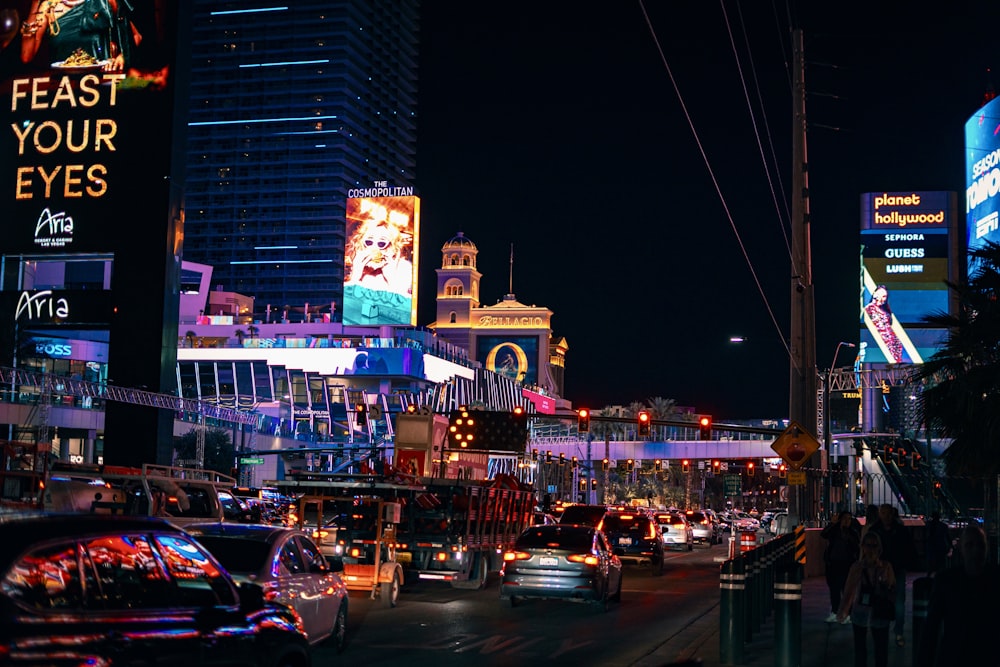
x=961, y=613
x=842, y=550
x=899, y=550
x=938, y=544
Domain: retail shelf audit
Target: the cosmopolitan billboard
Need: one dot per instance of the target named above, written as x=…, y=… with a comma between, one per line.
x=380, y=257
x=982, y=175
x=907, y=246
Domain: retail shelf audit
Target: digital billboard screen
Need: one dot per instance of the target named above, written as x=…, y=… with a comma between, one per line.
x=982, y=175
x=513, y=356
x=380, y=259
x=907, y=250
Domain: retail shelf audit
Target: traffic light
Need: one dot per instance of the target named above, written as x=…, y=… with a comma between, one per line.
x=361, y=414
x=716, y=466
x=900, y=456
x=411, y=409
x=685, y=466
x=937, y=489
x=643, y=418
x=657, y=465
x=705, y=428
x=605, y=463
x=630, y=465
x=462, y=428
x=548, y=456
x=575, y=462
x=914, y=459
x=562, y=458
x=750, y=468
x=583, y=420
x=593, y=483
x=782, y=471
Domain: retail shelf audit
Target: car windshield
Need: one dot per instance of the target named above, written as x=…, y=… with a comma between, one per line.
x=237, y=555
x=570, y=540
x=586, y=515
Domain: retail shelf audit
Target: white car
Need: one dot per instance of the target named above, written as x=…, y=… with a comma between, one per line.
x=677, y=532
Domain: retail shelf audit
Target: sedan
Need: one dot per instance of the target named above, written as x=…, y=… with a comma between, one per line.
x=677, y=532
x=288, y=565
x=568, y=562
x=98, y=589
x=702, y=528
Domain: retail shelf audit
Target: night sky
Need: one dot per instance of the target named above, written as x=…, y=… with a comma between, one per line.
x=556, y=127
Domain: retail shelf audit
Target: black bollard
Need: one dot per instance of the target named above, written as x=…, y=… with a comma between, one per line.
x=788, y=616
x=731, y=608
x=921, y=603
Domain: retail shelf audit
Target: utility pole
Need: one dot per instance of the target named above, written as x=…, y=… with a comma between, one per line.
x=802, y=377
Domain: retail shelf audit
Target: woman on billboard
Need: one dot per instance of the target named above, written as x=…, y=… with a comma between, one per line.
x=79, y=34
x=880, y=315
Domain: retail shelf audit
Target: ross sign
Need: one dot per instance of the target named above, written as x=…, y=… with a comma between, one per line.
x=796, y=478
x=795, y=446
x=251, y=460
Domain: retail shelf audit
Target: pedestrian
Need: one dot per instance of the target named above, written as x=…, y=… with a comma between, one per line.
x=867, y=576
x=938, y=544
x=962, y=610
x=899, y=550
x=842, y=550
x=871, y=518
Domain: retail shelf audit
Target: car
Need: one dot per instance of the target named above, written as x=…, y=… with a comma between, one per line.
x=584, y=515
x=290, y=568
x=635, y=538
x=717, y=524
x=561, y=561
x=702, y=528
x=676, y=530
x=102, y=589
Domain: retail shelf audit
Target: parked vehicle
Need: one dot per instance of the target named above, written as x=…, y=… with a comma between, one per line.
x=568, y=562
x=635, y=538
x=288, y=565
x=93, y=589
x=676, y=530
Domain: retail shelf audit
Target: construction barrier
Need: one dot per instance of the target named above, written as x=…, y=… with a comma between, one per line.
x=748, y=540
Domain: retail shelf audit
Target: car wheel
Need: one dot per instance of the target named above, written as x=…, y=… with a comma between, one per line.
x=478, y=575
x=657, y=566
x=390, y=591
x=338, y=637
x=514, y=601
x=602, y=602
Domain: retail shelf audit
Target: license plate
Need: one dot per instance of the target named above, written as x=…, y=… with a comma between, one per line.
x=625, y=541
x=548, y=561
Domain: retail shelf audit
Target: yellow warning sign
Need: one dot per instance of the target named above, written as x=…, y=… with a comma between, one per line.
x=795, y=446
x=797, y=478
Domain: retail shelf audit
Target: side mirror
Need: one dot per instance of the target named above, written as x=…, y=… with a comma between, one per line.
x=251, y=597
x=336, y=563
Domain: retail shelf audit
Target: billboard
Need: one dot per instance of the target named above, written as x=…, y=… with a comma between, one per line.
x=380, y=259
x=982, y=175
x=513, y=356
x=89, y=179
x=907, y=246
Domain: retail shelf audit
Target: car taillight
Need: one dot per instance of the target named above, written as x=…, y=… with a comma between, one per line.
x=586, y=559
x=515, y=555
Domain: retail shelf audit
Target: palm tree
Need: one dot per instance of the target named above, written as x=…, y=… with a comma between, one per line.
x=239, y=336
x=961, y=393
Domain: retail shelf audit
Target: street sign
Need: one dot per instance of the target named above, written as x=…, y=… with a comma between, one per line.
x=732, y=485
x=795, y=446
x=797, y=478
x=251, y=460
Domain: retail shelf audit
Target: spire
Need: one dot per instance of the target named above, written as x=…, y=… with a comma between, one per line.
x=510, y=285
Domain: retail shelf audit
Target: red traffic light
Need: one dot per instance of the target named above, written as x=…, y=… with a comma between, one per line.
x=705, y=427
x=685, y=466
x=583, y=420
x=643, y=418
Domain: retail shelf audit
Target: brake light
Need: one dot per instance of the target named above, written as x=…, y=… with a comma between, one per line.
x=652, y=530
x=586, y=559
x=515, y=555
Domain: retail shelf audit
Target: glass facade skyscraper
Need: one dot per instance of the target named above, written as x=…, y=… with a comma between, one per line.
x=291, y=106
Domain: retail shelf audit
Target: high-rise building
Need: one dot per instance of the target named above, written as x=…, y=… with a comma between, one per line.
x=294, y=108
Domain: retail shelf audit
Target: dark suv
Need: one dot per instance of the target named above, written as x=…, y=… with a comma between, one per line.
x=584, y=515
x=91, y=589
x=635, y=538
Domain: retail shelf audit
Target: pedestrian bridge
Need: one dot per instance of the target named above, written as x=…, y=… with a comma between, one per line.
x=644, y=450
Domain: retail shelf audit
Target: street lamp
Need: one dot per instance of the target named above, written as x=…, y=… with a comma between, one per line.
x=827, y=436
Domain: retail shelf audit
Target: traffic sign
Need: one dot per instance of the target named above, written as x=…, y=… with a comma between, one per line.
x=251, y=460
x=732, y=485
x=795, y=446
x=797, y=478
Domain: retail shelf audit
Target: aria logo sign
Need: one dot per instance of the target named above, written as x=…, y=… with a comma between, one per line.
x=41, y=306
x=53, y=230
